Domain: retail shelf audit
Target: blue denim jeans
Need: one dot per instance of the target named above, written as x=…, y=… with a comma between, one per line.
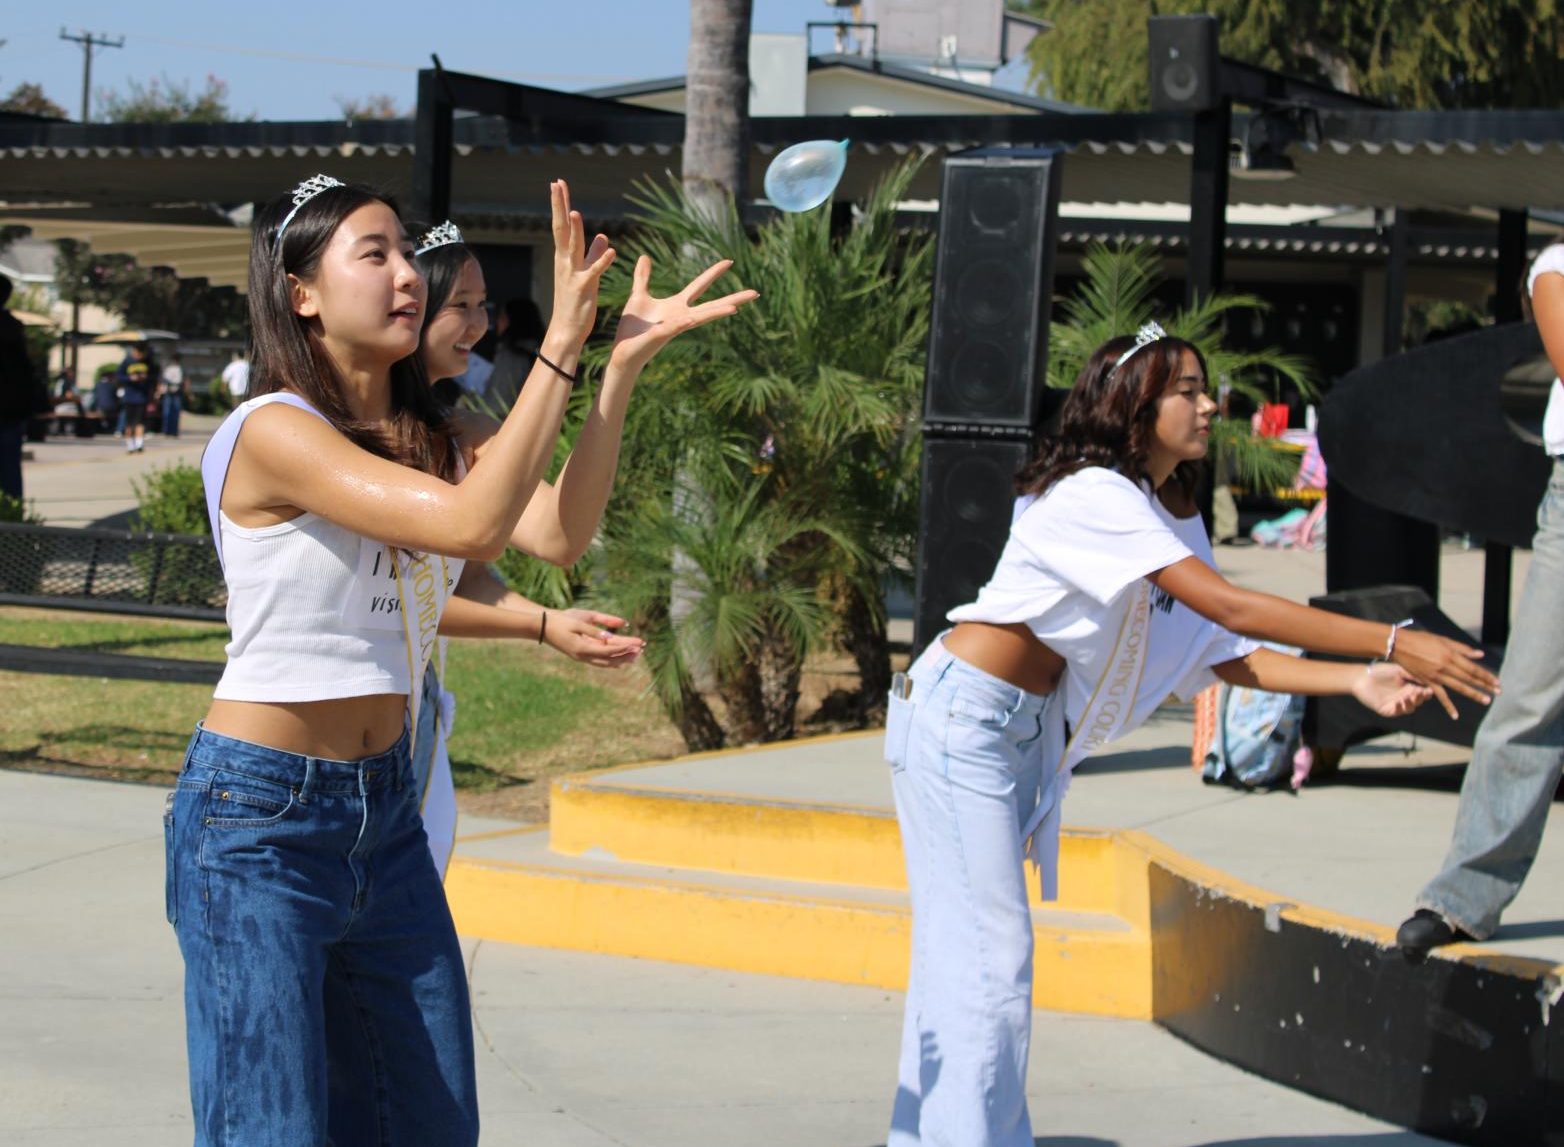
x=1519, y=748
x=966, y=767
x=325, y=994
x=170, y=406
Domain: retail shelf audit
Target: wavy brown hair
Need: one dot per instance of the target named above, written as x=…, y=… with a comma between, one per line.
x=287, y=354
x=1108, y=418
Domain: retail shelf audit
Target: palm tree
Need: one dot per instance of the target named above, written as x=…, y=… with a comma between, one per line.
x=716, y=103
x=1116, y=298
x=787, y=432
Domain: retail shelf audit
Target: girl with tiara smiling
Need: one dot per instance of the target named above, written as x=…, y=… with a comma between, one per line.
x=454, y=319
x=300, y=885
x=1104, y=602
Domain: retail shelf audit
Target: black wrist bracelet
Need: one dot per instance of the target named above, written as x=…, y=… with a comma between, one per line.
x=542, y=625
x=557, y=369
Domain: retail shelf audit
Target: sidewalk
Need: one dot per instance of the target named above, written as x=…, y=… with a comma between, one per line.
x=87, y=481
x=574, y=1050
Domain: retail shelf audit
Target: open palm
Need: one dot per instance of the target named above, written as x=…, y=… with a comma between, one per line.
x=648, y=323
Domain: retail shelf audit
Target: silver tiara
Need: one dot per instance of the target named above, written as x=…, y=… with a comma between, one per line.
x=303, y=193
x=442, y=236
x=1148, y=334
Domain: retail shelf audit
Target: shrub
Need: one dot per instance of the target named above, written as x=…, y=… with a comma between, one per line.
x=172, y=500
x=16, y=510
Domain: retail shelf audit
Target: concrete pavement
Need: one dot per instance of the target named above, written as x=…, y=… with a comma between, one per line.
x=574, y=1050
x=86, y=481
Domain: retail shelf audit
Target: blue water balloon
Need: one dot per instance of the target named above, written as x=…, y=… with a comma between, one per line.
x=803, y=176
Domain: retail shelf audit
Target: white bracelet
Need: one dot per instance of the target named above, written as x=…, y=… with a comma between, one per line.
x=1390, y=642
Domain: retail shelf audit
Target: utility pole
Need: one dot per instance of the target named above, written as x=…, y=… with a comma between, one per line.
x=88, y=42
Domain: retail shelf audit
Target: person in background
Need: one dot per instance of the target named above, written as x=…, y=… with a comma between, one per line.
x=1519, y=750
x=519, y=331
x=136, y=378
x=236, y=376
x=16, y=394
x=171, y=395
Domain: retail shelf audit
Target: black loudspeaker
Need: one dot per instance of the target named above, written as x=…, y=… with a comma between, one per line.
x=1185, y=66
x=968, y=495
x=993, y=281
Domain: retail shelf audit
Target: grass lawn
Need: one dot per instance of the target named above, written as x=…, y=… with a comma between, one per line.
x=524, y=714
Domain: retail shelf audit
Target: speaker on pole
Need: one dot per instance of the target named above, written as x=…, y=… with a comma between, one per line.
x=985, y=390
x=1185, y=65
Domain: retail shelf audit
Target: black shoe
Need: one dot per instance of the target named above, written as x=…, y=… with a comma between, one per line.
x=1424, y=931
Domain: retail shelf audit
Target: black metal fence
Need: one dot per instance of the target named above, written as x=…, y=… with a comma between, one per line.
x=113, y=571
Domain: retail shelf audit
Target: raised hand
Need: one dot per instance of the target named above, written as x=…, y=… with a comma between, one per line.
x=577, y=268
x=648, y=323
x=585, y=635
x=1445, y=665
x=1389, y=690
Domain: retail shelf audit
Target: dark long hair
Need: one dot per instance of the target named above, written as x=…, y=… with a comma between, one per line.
x=1108, y=418
x=288, y=355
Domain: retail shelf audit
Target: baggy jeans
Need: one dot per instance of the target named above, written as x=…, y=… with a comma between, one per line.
x=966, y=769
x=315, y=930
x=1519, y=748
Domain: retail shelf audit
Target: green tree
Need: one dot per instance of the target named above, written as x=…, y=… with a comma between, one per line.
x=1444, y=54
x=30, y=100
x=378, y=106
x=773, y=460
x=165, y=100
x=1117, y=298
x=147, y=296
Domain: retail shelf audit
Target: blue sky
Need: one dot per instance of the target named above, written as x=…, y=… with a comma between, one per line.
x=286, y=60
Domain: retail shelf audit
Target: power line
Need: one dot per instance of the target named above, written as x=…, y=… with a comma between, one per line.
x=337, y=61
x=88, y=42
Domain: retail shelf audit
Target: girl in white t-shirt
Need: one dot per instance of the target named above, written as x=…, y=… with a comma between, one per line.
x=1104, y=602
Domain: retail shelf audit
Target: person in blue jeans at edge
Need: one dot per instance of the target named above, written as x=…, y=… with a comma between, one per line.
x=1519, y=749
x=1103, y=603
x=300, y=884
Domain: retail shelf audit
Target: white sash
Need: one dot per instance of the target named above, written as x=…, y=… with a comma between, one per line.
x=438, y=800
x=1104, y=718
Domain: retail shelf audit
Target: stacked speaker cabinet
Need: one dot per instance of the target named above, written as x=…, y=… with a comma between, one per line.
x=984, y=391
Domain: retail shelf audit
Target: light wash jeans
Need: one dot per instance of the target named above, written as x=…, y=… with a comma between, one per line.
x=1519, y=749
x=325, y=992
x=966, y=765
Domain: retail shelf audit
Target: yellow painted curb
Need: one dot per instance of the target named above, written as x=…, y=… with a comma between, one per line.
x=1099, y=972
x=784, y=840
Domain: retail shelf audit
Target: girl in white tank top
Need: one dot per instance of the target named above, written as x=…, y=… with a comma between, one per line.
x=300, y=885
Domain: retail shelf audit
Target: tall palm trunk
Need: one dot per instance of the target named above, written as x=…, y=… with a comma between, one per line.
x=716, y=104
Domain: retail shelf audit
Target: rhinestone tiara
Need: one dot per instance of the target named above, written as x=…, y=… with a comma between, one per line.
x=442, y=236
x=303, y=193
x=1148, y=334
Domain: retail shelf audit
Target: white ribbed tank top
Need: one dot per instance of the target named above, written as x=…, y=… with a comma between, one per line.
x=316, y=611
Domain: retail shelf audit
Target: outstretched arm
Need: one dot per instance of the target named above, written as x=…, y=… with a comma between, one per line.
x=1381, y=687
x=1438, y=662
x=560, y=520
x=289, y=459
